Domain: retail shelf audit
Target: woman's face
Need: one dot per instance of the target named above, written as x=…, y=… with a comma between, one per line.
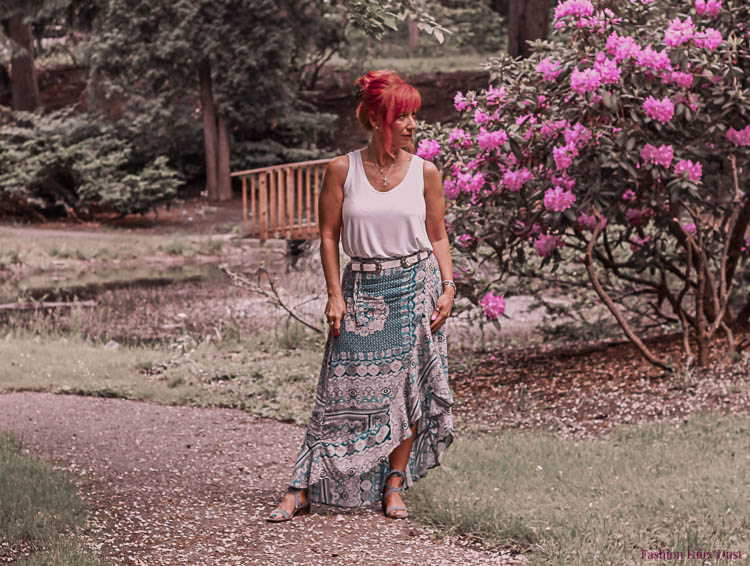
x=403, y=128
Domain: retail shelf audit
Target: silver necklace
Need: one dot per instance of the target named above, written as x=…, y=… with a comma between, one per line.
x=382, y=174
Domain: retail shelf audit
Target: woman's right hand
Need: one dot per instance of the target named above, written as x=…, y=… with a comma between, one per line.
x=335, y=311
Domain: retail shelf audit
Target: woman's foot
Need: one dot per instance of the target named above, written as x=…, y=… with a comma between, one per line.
x=294, y=503
x=393, y=504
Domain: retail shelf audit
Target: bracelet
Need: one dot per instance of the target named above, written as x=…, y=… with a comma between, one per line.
x=449, y=283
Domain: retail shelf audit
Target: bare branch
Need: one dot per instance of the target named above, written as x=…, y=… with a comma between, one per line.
x=272, y=295
x=589, y=260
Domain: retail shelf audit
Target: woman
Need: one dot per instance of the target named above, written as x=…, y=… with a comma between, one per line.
x=382, y=414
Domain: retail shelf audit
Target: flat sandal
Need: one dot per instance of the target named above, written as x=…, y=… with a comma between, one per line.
x=389, y=489
x=298, y=510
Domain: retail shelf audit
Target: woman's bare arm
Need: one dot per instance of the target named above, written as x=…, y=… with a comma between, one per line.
x=329, y=222
x=435, y=225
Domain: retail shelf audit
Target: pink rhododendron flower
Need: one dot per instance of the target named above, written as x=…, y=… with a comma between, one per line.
x=694, y=170
x=708, y=7
x=746, y=247
x=459, y=138
x=636, y=216
x=588, y=221
x=550, y=129
x=451, y=189
x=636, y=243
x=535, y=229
x=549, y=69
x=691, y=100
x=563, y=181
x=491, y=140
x=739, y=137
x=584, y=81
x=577, y=135
x=660, y=156
x=563, y=156
x=510, y=159
x=654, y=60
x=558, y=199
x=480, y=117
x=576, y=8
x=460, y=102
x=494, y=305
x=515, y=179
x=691, y=229
x=622, y=48
x=685, y=80
x=530, y=118
x=679, y=32
x=544, y=244
x=597, y=22
x=708, y=39
x=468, y=183
x=428, y=149
x=629, y=195
x=608, y=70
x=495, y=95
x=661, y=110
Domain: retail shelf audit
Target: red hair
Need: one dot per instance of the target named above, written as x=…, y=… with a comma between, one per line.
x=385, y=96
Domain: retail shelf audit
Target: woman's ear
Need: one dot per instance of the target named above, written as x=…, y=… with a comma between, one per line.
x=374, y=122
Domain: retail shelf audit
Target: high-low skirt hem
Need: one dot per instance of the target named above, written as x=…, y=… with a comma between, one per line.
x=386, y=372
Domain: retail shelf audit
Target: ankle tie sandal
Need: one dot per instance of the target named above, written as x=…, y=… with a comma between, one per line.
x=389, y=489
x=279, y=515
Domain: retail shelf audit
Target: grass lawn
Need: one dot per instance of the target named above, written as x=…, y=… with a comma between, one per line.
x=41, y=251
x=443, y=64
x=663, y=486
x=40, y=512
x=255, y=375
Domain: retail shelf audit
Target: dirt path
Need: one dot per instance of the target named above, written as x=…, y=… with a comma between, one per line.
x=173, y=485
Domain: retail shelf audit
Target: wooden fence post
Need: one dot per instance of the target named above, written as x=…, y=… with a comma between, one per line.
x=263, y=206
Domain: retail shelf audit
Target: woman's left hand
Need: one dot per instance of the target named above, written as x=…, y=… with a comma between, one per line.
x=442, y=309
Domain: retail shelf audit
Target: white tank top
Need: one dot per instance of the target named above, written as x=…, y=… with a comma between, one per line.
x=383, y=224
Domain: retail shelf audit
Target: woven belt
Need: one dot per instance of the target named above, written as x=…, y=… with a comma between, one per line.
x=376, y=265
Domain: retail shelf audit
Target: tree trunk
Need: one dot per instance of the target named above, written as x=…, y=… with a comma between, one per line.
x=527, y=21
x=224, y=178
x=413, y=35
x=210, y=136
x=500, y=6
x=24, y=84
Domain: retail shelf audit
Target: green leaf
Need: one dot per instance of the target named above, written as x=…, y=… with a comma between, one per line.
x=515, y=148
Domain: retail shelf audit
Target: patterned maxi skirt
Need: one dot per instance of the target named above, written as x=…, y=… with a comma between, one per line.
x=384, y=373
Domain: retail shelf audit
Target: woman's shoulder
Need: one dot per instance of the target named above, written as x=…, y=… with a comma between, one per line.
x=429, y=168
x=339, y=167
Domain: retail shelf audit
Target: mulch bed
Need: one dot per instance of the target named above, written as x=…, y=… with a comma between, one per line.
x=585, y=389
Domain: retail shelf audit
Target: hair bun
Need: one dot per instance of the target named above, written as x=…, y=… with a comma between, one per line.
x=384, y=77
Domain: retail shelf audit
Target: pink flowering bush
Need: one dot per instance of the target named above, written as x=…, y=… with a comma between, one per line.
x=639, y=120
x=494, y=305
x=428, y=149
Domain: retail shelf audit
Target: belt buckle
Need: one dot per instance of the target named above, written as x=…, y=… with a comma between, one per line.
x=378, y=267
x=404, y=263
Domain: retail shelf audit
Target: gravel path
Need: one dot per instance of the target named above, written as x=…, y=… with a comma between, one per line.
x=170, y=485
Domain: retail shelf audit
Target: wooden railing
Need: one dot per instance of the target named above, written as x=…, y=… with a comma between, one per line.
x=281, y=201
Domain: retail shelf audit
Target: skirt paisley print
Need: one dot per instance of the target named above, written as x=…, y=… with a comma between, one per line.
x=384, y=373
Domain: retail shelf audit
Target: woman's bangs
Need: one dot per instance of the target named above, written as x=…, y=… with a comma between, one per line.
x=403, y=98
